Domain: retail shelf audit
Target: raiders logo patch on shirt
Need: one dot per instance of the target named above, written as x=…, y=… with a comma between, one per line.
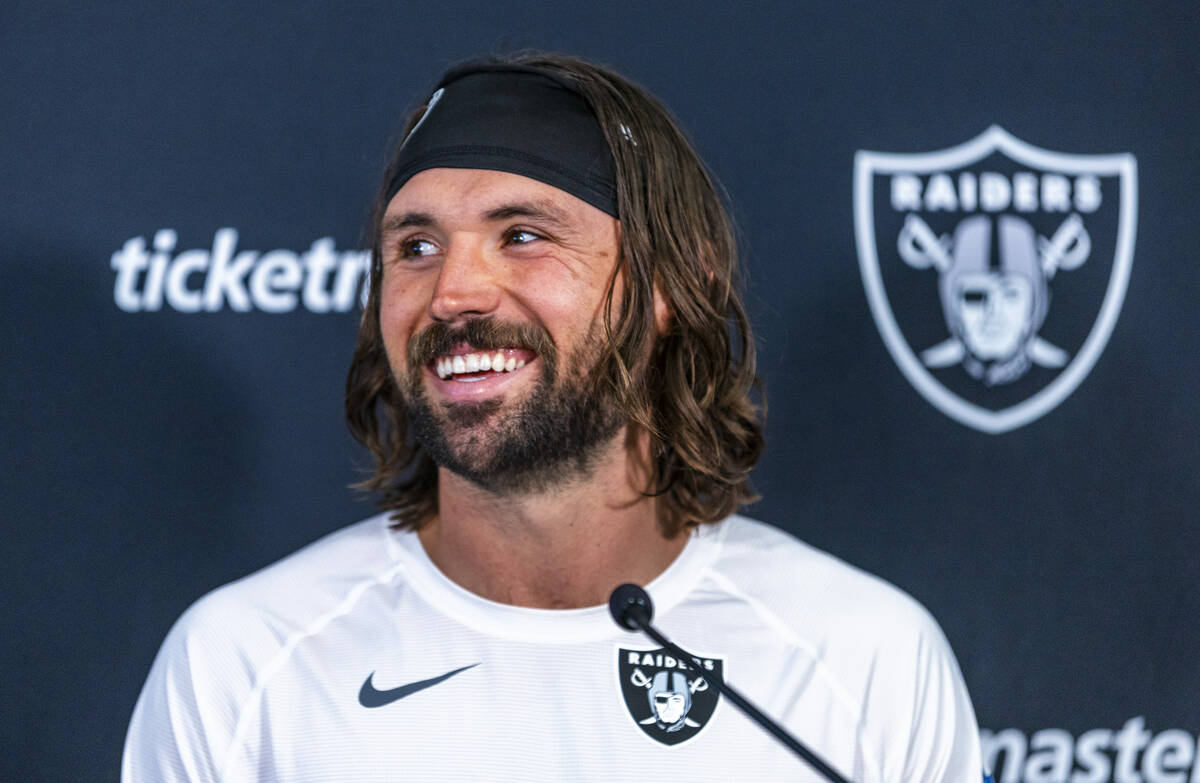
x=670, y=700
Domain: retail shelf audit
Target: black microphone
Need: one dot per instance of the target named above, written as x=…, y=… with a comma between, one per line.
x=633, y=610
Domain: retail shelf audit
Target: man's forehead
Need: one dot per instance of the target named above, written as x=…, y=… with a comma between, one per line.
x=486, y=194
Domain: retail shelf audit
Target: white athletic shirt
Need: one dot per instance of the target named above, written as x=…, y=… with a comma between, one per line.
x=267, y=678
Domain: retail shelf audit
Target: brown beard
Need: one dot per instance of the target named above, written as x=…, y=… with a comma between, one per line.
x=551, y=436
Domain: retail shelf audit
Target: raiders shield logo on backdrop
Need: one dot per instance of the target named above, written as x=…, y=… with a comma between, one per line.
x=671, y=701
x=995, y=270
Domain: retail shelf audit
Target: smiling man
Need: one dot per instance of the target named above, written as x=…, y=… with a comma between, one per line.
x=554, y=376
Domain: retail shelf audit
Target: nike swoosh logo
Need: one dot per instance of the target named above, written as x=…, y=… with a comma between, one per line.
x=368, y=696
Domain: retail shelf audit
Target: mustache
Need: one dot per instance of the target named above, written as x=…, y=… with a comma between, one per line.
x=484, y=334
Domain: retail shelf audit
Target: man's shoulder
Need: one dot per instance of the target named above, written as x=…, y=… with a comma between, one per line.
x=875, y=648
x=821, y=597
x=258, y=613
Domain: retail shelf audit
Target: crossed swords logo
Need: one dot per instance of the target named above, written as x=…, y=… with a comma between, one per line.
x=921, y=248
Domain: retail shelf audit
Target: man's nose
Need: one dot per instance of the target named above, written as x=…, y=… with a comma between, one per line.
x=466, y=284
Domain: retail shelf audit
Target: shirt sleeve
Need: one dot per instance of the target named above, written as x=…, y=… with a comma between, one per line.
x=186, y=716
x=943, y=738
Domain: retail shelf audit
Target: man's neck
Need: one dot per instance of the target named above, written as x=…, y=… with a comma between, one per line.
x=560, y=549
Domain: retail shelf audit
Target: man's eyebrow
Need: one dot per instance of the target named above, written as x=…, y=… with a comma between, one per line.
x=396, y=223
x=542, y=210
x=545, y=211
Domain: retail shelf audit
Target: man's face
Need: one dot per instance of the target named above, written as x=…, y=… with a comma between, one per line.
x=995, y=312
x=491, y=310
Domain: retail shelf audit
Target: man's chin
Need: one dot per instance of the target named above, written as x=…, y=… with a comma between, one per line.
x=478, y=461
x=512, y=445
x=463, y=417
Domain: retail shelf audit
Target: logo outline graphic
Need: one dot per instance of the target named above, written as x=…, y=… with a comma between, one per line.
x=369, y=696
x=689, y=728
x=867, y=164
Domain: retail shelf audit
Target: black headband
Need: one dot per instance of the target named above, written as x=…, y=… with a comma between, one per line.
x=515, y=118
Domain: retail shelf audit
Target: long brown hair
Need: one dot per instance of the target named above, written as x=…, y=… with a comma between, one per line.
x=689, y=388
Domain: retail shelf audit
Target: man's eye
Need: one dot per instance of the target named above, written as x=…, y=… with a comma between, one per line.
x=415, y=248
x=520, y=237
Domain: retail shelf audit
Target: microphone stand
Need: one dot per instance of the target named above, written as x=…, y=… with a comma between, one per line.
x=632, y=610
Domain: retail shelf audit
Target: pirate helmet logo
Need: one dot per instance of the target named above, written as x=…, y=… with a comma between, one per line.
x=993, y=287
x=668, y=699
x=995, y=220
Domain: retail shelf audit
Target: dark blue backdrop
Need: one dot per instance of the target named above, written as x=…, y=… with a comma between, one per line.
x=151, y=456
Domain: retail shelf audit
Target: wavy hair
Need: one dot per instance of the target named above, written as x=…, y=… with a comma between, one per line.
x=692, y=389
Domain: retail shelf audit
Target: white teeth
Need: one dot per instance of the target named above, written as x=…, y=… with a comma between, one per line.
x=476, y=362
